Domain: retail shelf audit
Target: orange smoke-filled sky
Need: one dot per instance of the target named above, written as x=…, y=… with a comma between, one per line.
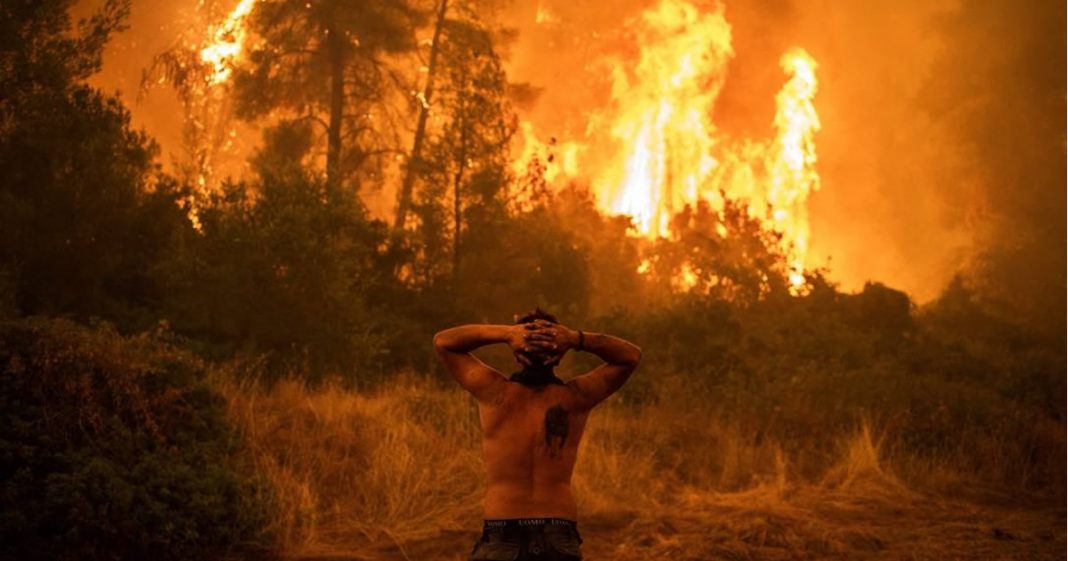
x=880, y=214
x=890, y=208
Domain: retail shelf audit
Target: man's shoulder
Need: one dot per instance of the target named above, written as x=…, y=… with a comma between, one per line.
x=578, y=392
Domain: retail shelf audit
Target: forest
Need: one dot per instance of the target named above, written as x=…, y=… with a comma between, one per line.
x=246, y=370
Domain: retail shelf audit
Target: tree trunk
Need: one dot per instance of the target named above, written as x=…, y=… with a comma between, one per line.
x=336, y=52
x=457, y=181
x=404, y=197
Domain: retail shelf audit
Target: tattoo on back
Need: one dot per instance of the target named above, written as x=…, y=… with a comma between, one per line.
x=555, y=429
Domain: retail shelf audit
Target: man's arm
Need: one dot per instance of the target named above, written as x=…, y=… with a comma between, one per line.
x=620, y=359
x=453, y=348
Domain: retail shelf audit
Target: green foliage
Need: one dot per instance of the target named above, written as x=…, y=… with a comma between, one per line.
x=288, y=271
x=471, y=147
x=40, y=54
x=511, y=264
x=289, y=69
x=609, y=257
x=82, y=223
x=977, y=346
x=115, y=448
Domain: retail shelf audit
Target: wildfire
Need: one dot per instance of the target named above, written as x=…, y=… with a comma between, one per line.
x=655, y=148
x=663, y=121
x=669, y=153
x=561, y=159
x=793, y=157
x=228, y=41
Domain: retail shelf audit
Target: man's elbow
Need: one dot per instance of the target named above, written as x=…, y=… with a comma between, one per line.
x=444, y=342
x=635, y=356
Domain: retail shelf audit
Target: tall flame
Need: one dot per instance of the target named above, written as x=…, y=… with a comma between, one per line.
x=792, y=161
x=663, y=121
x=228, y=42
x=667, y=152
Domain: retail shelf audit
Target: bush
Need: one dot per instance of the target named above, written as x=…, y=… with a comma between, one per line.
x=114, y=447
x=939, y=384
x=288, y=270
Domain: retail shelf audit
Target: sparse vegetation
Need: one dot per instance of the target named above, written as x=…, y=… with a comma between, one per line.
x=397, y=472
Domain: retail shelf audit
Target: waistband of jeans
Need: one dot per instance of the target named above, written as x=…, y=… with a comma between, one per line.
x=527, y=522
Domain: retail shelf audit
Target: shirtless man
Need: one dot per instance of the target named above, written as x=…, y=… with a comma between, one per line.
x=532, y=423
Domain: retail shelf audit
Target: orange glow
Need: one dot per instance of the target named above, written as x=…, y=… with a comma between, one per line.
x=665, y=150
x=228, y=42
x=792, y=159
x=663, y=120
x=561, y=159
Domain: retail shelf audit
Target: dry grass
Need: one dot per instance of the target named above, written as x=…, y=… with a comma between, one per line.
x=349, y=468
x=396, y=474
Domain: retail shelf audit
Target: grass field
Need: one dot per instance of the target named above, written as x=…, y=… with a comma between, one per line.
x=396, y=474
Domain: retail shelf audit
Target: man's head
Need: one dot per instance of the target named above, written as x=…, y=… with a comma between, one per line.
x=536, y=313
x=536, y=357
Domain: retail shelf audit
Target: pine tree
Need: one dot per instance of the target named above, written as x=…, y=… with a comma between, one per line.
x=324, y=62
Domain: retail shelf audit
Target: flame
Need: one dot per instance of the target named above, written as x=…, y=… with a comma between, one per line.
x=792, y=165
x=561, y=159
x=663, y=120
x=228, y=42
x=666, y=150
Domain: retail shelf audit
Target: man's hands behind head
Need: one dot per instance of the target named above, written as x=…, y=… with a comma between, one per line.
x=532, y=344
x=550, y=341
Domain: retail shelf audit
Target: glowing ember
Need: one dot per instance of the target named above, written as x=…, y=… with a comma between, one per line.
x=228, y=42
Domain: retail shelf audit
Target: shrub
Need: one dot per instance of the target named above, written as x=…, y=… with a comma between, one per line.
x=114, y=447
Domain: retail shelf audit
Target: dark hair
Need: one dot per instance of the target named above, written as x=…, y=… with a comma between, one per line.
x=537, y=313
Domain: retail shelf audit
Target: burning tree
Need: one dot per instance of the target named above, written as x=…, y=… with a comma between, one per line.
x=727, y=253
x=655, y=148
x=198, y=68
x=323, y=63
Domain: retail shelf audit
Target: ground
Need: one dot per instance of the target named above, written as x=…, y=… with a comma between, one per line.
x=876, y=522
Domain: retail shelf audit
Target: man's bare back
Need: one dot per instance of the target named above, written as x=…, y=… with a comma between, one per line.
x=530, y=440
x=532, y=424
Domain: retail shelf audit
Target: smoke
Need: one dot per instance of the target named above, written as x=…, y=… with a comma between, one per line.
x=154, y=26
x=998, y=93
x=884, y=213
x=942, y=147
x=906, y=198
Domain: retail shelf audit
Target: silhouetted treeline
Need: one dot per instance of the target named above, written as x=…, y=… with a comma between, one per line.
x=287, y=273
